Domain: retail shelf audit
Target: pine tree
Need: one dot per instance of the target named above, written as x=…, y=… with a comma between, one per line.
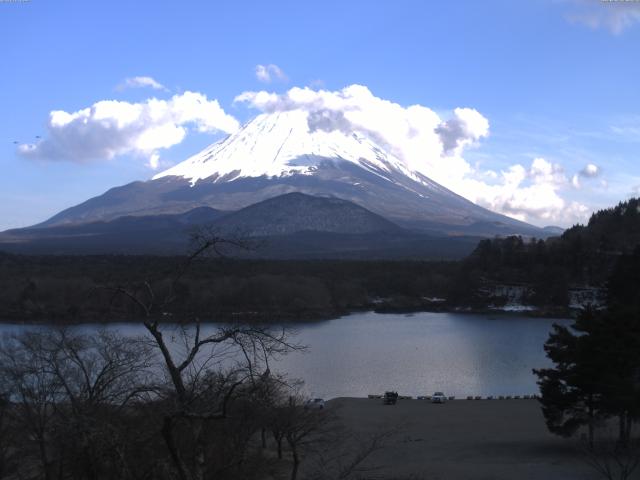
x=596, y=371
x=570, y=393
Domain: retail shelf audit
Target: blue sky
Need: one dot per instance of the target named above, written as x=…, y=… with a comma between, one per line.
x=557, y=81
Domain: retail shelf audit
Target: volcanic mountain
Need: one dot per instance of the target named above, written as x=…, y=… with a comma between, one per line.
x=278, y=153
x=302, y=189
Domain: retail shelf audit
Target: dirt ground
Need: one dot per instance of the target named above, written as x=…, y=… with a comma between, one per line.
x=465, y=439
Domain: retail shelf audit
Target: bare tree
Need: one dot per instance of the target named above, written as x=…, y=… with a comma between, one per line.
x=8, y=457
x=205, y=370
x=303, y=429
x=34, y=392
x=100, y=375
x=65, y=390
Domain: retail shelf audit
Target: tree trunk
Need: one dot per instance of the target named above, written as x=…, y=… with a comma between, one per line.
x=624, y=425
x=296, y=459
x=167, y=434
x=278, y=439
x=263, y=437
x=46, y=464
x=296, y=463
x=174, y=373
x=591, y=421
x=198, y=474
x=196, y=428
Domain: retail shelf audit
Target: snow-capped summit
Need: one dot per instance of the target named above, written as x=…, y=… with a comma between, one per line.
x=283, y=144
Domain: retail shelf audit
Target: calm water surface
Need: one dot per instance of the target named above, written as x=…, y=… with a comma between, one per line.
x=415, y=354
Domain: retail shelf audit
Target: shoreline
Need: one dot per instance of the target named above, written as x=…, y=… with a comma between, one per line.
x=266, y=318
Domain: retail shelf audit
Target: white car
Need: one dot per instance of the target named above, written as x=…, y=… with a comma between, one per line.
x=314, y=404
x=438, y=397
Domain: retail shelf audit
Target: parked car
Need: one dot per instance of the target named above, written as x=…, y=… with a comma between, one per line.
x=314, y=404
x=438, y=397
x=390, y=398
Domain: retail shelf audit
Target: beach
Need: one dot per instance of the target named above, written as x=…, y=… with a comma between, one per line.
x=464, y=439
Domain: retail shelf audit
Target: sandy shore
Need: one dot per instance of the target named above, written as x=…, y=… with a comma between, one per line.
x=465, y=439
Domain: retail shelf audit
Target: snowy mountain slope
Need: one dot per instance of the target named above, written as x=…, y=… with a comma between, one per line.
x=282, y=144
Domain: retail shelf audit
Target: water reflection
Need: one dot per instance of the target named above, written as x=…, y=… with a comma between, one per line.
x=460, y=354
x=421, y=353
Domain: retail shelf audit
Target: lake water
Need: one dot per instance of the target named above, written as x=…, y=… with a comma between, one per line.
x=415, y=354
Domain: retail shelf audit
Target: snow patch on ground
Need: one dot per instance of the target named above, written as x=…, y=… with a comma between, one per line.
x=581, y=297
x=516, y=307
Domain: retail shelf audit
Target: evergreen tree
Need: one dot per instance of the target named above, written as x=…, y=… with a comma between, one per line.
x=570, y=393
x=596, y=371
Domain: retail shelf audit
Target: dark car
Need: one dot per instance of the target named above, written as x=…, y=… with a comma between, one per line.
x=390, y=398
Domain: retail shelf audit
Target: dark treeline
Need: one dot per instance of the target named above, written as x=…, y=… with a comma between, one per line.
x=64, y=288
x=583, y=255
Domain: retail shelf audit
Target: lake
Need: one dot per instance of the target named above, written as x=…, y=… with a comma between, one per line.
x=415, y=354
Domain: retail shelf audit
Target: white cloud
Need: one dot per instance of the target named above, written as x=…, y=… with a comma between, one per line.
x=613, y=15
x=270, y=73
x=530, y=194
x=142, y=82
x=590, y=170
x=464, y=128
x=433, y=146
x=154, y=161
x=110, y=127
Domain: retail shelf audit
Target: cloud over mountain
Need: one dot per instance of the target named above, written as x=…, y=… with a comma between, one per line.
x=111, y=127
x=433, y=146
x=416, y=134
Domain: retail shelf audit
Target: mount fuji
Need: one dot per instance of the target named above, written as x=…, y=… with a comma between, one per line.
x=284, y=152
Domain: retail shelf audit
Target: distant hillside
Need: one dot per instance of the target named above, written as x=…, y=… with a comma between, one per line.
x=297, y=212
